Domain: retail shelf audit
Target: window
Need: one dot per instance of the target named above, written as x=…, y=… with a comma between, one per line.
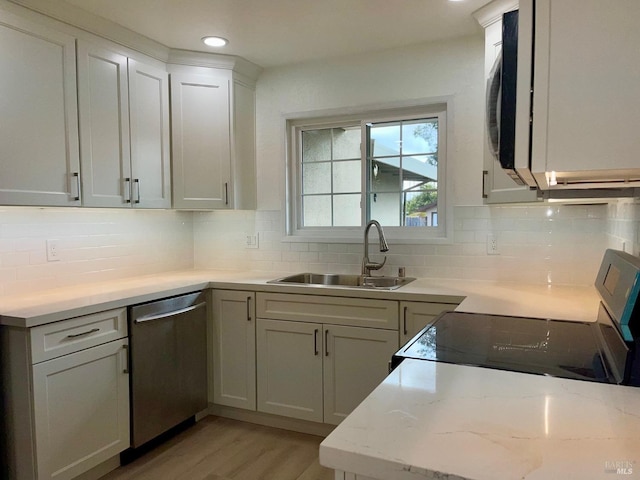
x=336, y=185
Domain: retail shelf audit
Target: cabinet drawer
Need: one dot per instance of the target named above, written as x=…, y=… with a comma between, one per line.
x=68, y=336
x=357, y=312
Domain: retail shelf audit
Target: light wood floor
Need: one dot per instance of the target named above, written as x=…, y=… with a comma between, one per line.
x=222, y=449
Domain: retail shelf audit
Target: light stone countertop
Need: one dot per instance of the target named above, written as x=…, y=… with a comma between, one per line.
x=442, y=421
x=541, y=301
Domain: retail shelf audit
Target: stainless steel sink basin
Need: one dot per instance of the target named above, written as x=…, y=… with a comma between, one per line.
x=344, y=280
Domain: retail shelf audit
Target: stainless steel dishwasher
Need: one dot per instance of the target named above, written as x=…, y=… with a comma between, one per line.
x=168, y=364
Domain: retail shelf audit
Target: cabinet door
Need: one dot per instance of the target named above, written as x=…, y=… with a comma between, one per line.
x=234, y=349
x=200, y=136
x=149, y=124
x=586, y=108
x=81, y=405
x=356, y=360
x=103, y=96
x=244, y=141
x=417, y=315
x=289, y=363
x=39, y=161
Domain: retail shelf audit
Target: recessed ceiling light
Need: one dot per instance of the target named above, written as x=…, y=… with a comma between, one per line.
x=215, y=41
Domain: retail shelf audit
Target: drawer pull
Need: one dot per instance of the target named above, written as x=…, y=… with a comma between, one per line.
x=88, y=332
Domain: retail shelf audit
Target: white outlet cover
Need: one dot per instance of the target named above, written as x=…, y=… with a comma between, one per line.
x=53, y=250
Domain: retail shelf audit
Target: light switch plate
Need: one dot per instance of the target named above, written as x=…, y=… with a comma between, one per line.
x=251, y=240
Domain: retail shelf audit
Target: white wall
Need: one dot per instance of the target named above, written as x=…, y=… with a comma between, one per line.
x=453, y=68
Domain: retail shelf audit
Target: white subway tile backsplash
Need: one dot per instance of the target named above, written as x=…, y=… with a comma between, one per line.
x=94, y=245
x=540, y=244
x=536, y=243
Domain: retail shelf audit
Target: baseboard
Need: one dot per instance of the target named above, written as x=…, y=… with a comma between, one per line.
x=268, y=420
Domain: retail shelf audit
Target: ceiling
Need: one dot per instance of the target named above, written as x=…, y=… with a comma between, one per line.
x=279, y=32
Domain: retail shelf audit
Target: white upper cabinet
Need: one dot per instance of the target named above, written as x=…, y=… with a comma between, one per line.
x=213, y=137
x=149, y=123
x=243, y=133
x=92, y=127
x=586, y=101
x=124, y=130
x=39, y=161
x=201, y=140
x=104, y=118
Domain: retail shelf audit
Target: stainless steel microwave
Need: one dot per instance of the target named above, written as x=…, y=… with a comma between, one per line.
x=501, y=100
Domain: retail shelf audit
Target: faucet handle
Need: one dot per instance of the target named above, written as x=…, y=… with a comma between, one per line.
x=375, y=265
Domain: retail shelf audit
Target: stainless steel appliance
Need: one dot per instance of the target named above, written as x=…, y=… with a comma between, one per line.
x=501, y=99
x=168, y=364
x=607, y=350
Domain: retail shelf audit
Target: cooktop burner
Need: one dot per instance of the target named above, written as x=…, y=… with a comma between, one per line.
x=530, y=345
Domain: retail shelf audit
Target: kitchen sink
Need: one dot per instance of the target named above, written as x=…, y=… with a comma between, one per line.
x=344, y=280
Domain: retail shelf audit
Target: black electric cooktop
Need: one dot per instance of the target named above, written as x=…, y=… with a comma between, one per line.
x=605, y=350
x=530, y=345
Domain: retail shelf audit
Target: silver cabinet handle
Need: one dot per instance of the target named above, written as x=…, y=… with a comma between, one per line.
x=226, y=193
x=248, y=309
x=160, y=316
x=485, y=174
x=77, y=177
x=315, y=342
x=127, y=190
x=126, y=359
x=82, y=334
x=136, y=182
x=326, y=343
x=404, y=320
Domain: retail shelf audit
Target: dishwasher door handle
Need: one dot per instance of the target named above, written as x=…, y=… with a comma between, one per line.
x=173, y=313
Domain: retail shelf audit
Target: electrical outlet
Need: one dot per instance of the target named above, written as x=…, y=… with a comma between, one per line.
x=53, y=251
x=492, y=244
x=251, y=241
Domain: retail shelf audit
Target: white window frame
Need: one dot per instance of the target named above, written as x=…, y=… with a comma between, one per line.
x=296, y=123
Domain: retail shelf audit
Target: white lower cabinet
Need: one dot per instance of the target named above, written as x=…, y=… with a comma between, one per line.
x=81, y=410
x=308, y=357
x=321, y=371
x=65, y=396
x=233, y=347
x=356, y=360
x=415, y=316
x=289, y=364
